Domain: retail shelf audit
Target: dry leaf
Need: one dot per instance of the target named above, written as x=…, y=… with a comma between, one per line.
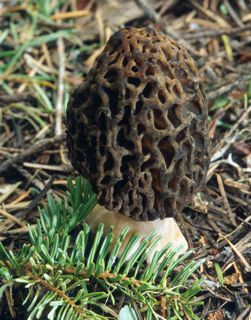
x=7, y=189
x=233, y=278
x=216, y=315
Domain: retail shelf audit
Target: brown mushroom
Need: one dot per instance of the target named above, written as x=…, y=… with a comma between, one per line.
x=137, y=128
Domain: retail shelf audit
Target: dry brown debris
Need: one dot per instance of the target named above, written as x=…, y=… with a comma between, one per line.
x=216, y=315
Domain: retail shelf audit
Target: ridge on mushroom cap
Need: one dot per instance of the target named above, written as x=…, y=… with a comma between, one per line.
x=137, y=126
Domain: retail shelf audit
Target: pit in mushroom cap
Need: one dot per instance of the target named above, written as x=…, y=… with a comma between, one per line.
x=137, y=127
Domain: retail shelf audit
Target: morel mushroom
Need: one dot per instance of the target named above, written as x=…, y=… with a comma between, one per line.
x=137, y=128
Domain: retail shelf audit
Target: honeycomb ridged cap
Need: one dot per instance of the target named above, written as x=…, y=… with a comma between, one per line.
x=137, y=127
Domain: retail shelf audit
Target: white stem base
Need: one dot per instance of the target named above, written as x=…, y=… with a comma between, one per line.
x=167, y=229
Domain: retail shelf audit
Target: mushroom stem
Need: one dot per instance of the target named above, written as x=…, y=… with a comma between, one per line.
x=167, y=229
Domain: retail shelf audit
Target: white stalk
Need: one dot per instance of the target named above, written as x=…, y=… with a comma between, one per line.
x=167, y=229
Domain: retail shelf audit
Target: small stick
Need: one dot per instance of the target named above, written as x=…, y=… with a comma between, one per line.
x=31, y=74
x=10, y=302
x=12, y=217
x=225, y=143
x=244, y=313
x=239, y=82
x=60, y=168
x=29, y=177
x=149, y=12
x=210, y=14
x=8, y=99
x=71, y=14
x=233, y=14
x=39, y=147
x=35, y=200
x=231, y=215
x=238, y=253
x=60, y=93
x=216, y=33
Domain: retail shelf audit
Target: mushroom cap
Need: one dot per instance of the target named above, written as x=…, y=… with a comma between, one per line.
x=137, y=127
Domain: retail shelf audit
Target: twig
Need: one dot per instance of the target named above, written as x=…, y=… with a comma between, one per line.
x=8, y=99
x=25, y=229
x=36, y=199
x=71, y=14
x=238, y=253
x=60, y=93
x=210, y=14
x=31, y=151
x=10, y=302
x=167, y=5
x=239, y=82
x=148, y=11
x=233, y=14
x=231, y=215
x=220, y=149
x=244, y=313
x=60, y=168
x=31, y=74
x=30, y=178
x=60, y=293
x=12, y=217
x=216, y=33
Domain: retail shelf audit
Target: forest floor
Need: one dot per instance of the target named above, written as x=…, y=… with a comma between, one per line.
x=47, y=48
